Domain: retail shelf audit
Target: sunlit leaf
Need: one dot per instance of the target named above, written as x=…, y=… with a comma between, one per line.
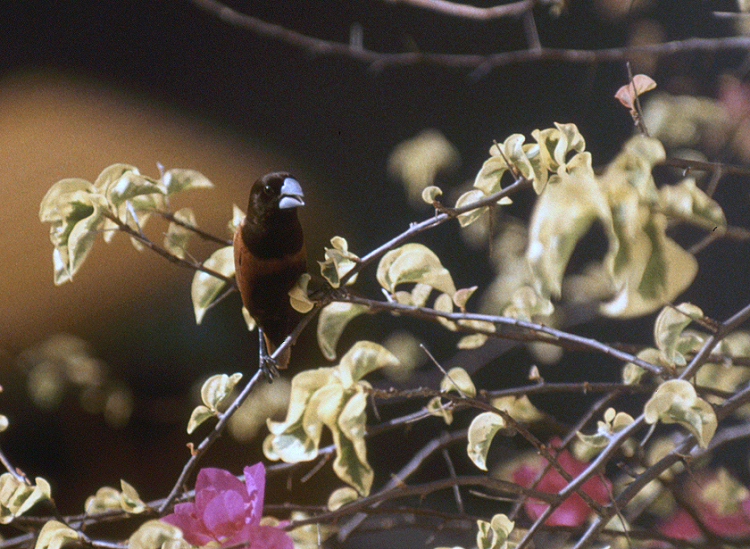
x=366, y=356
x=494, y=534
x=687, y=202
x=130, y=500
x=155, y=534
x=105, y=499
x=180, y=179
x=414, y=263
x=338, y=261
x=470, y=197
x=668, y=330
x=332, y=320
x=218, y=387
x=430, y=194
x=298, y=295
x=55, y=201
x=481, y=432
x=458, y=379
x=205, y=287
x=417, y=161
x=675, y=401
x=54, y=535
x=177, y=237
x=553, y=235
x=351, y=464
x=340, y=497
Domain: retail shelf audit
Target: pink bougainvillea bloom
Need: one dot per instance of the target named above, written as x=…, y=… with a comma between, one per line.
x=681, y=525
x=227, y=511
x=574, y=510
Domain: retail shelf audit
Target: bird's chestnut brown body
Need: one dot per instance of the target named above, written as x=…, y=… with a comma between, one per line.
x=269, y=256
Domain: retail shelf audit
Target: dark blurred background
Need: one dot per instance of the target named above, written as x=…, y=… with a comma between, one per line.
x=86, y=84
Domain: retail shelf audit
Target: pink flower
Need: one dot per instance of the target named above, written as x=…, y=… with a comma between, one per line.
x=228, y=512
x=699, y=494
x=574, y=510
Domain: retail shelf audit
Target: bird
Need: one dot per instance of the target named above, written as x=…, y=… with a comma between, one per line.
x=269, y=258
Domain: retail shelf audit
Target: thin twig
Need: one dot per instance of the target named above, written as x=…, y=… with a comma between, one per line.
x=379, y=60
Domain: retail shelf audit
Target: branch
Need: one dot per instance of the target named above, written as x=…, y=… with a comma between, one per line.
x=463, y=11
x=379, y=60
x=528, y=331
x=196, y=266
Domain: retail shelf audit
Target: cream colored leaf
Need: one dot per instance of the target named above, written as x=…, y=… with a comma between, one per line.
x=675, y=401
x=365, y=357
x=341, y=497
x=180, y=179
x=481, y=432
x=414, y=263
x=332, y=320
x=457, y=379
x=155, y=534
x=205, y=287
x=54, y=535
x=178, y=236
x=218, y=387
x=668, y=329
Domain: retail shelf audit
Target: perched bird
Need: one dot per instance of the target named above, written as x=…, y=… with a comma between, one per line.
x=269, y=257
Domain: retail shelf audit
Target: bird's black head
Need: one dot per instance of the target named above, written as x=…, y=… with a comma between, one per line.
x=273, y=192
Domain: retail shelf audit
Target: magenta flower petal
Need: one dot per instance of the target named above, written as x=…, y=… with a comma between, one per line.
x=226, y=513
x=186, y=519
x=261, y=537
x=255, y=484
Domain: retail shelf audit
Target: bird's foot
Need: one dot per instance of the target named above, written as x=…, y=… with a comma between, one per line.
x=268, y=367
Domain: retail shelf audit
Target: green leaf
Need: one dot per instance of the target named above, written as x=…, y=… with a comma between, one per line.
x=180, y=179
x=668, y=329
x=178, y=236
x=436, y=408
x=205, y=287
x=675, y=401
x=414, y=263
x=481, y=432
x=490, y=175
x=331, y=323
x=417, y=161
x=54, y=535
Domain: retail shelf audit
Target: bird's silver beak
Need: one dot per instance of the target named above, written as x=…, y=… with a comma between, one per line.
x=291, y=194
